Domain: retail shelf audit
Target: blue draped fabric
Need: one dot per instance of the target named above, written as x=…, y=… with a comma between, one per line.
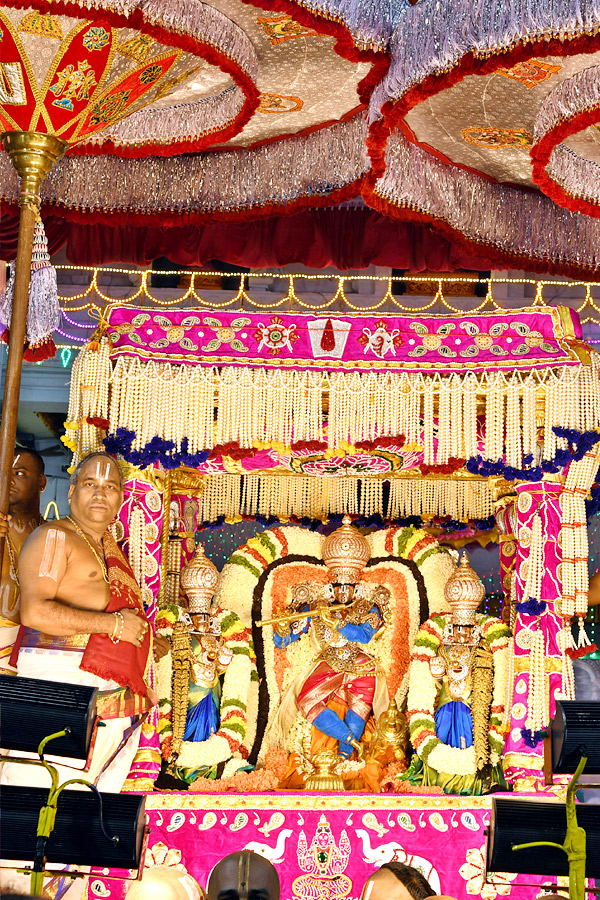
x=202, y=720
x=453, y=721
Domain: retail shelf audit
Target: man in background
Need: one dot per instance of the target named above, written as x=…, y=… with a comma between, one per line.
x=26, y=485
x=243, y=876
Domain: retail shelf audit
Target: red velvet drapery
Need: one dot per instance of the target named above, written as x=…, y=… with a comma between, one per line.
x=346, y=238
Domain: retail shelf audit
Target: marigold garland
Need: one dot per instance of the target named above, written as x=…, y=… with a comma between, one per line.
x=249, y=565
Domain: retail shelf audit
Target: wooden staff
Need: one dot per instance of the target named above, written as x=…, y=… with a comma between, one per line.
x=33, y=155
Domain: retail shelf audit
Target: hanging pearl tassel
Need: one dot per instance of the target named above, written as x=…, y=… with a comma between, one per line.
x=43, y=312
x=137, y=545
x=535, y=562
x=538, y=713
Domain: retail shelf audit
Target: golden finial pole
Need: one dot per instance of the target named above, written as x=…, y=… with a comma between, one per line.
x=33, y=155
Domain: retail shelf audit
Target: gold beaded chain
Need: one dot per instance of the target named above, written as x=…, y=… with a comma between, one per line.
x=100, y=559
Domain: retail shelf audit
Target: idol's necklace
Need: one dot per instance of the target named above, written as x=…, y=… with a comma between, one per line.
x=100, y=559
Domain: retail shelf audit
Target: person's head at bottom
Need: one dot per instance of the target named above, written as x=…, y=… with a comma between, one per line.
x=395, y=881
x=243, y=876
x=165, y=883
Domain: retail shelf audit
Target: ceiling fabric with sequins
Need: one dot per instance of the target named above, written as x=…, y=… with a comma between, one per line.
x=479, y=119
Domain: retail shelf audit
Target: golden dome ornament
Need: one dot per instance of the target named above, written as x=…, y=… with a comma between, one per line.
x=464, y=592
x=199, y=580
x=345, y=553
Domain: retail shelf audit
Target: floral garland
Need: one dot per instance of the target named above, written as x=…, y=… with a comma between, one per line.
x=579, y=444
x=423, y=690
x=227, y=743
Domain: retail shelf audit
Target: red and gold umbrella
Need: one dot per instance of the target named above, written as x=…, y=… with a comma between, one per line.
x=84, y=80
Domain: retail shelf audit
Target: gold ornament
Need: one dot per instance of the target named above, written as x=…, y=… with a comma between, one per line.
x=464, y=592
x=183, y=664
x=325, y=778
x=345, y=553
x=391, y=733
x=199, y=581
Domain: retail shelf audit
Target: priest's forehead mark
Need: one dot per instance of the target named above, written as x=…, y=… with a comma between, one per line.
x=16, y=460
x=100, y=469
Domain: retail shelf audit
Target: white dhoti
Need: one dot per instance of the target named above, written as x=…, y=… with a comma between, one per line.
x=114, y=749
x=110, y=762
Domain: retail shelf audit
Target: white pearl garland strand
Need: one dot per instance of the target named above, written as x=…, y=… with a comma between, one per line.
x=176, y=401
x=316, y=497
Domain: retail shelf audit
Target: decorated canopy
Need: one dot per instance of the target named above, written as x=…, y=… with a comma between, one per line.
x=477, y=118
x=339, y=405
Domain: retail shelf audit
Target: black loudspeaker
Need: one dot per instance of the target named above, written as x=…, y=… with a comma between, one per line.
x=31, y=710
x=575, y=732
x=78, y=838
x=523, y=821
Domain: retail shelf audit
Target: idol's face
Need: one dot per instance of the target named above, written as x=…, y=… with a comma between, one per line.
x=462, y=634
x=343, y=593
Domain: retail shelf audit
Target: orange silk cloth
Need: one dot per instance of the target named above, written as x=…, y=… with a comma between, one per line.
x=338, y=691
x=366, y=779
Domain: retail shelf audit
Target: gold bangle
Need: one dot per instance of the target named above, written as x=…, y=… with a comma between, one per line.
x=118, y=629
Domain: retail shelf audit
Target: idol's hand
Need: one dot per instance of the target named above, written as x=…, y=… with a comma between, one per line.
x=327, y=618
x=284, y=629
x=134, y=627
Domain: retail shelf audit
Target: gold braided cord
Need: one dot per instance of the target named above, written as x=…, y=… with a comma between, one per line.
x=183, y=661
x=481, y=699
x=588, y=308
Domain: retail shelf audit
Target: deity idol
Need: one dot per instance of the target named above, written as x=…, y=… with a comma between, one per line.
x=200, y=657
x=342, y=686
x=457, y=693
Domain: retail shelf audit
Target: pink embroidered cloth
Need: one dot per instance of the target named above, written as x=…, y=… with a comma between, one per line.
x=325, y=846
x=531, y=338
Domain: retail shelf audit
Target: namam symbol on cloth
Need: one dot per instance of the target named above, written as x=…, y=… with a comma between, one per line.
x=324, y=863
x=432, y=340
x=276, y=336
x=484, y=340
x=328, y=337
x=283, y=28
x=226, y=334
x=381, y=341
x=531, y=72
